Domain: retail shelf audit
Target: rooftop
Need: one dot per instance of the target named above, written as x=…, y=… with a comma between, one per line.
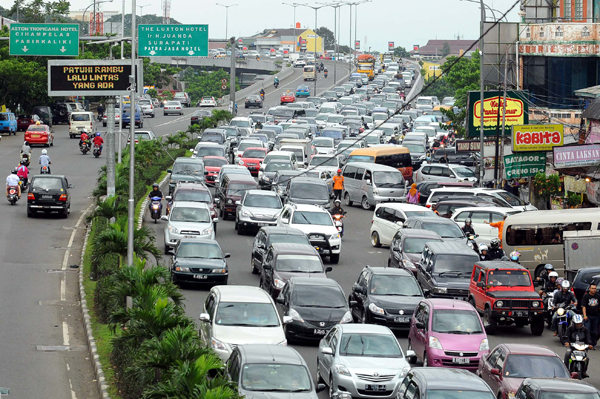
x=436, y=47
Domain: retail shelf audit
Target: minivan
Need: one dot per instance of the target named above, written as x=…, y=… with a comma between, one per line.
x=186, y=170
x=306, y=190
x=45, y=114
x=232, y=189
x=309, y=73
x=8, y=123
x=79, y=121
x=370, y=184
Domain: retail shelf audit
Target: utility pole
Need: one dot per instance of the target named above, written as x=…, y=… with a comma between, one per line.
x=132, y=81
x=226, y=16
x=501, y=160
x=122, y=45
x=110, y=144
x=232, y=76
x=316, y=8
x=294, y=24
x=481, y=94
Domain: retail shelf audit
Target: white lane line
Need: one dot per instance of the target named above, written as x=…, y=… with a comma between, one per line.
x=63, y=288
x=72, y=238
x=65, y=329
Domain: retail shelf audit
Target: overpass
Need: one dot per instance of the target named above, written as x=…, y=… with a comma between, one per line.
x=248, y=65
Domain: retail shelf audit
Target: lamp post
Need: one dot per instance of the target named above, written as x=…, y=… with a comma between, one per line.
x=356, y=19
x=92, y=4
x=492, y=10
x=294, y=24
x=335, y=6
x=131, y=201
x=142, y=12
x=316, y=8
x=226, y=16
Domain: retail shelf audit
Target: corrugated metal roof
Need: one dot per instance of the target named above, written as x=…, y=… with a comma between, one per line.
x=588, y=92
x=593, y=110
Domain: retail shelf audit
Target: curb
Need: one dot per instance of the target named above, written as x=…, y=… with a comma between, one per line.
x=100, y=380
x=140, y=220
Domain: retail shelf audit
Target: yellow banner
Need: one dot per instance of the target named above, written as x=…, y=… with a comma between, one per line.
x=537, y=137
x=515, y=113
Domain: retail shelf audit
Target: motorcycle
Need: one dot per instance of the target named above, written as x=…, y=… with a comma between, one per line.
x=23, y=183
x=564, y=314
x=155, y=208
x=45, y=170
x=85, y=147
x=96, y=151
x=472, y=243
x=276, y=84
x=13, y=195
x=262, y=96
x=548, y=301
x=339, y=224
x=325, y=73
x=25, y=157
x=579, y=357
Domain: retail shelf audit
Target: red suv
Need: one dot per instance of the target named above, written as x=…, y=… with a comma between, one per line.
x=503, y=293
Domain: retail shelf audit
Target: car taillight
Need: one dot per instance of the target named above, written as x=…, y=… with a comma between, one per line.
x=63, y=197
x=428, y=206
x=30, y=196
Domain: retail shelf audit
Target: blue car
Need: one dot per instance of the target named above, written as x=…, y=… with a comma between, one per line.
x=303, y=91
x=126, y=118
x=8, y=123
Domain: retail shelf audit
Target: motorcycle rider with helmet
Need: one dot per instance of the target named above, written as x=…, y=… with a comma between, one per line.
x=45, y=160
x=562, y=296
x=495, y=251
x=544, y=274
x=337, y=208
x=23, y=172
x=483, y=252
x=577, y=332
x=98, y=141
x=515, y=256
x=468, y=227
x=83, y=138
x=12, y=180
x=26, y=150
x=551, y=285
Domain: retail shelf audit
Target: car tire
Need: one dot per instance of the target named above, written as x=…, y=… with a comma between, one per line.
x=347, y=199
x=236, y=226
x=537, y=326
x=334, y=258
x=331, y=391
x=489, y=322
x=365, y=204
x=29, y=214
x=167, y=250
x=65, y=214
x=71, y=136
x=104, y=125
x=240, y=230
x=253, y=268
x=411, y=359
x=375, y=241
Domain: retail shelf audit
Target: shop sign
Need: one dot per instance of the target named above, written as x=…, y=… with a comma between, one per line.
x=537, y=137
x=472, y=145
x=593, y=192
x=577, y=156
x=594, y=134
x=517, y=111
x=517, y=166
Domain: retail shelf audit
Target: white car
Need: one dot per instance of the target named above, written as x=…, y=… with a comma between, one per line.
x=478, y=216
x=317, y=223
x=236, y=315
x=243, y=122
x=190, y=220
x=324, y=145
x=173, y=107
x=208, y=102
x=389, y=217
x=147, y=107
x=299, y=63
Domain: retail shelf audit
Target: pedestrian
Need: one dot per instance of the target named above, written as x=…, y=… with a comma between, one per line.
x=413, y=195
x=434, y=209
x=500, y=226
x=590, y=304
x=338, y=184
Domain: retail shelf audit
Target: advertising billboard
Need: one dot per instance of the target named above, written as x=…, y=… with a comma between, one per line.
x=517, y=111
x=537, y=137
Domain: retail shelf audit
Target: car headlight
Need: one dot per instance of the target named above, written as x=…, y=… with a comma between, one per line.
x=279, y=283
x=182, y=269
x=283, y=343
x=207, y=231
x=376, y=309
x=403, y=372
x=499, y=304
x=216, y=344
x=230, y=201
x=484, y=346
x=440, y=290
x=240, y=162
x=173, y=230
x=334, y=236
x=293, y=313
x=341, y=369
x=435, y=343
x=560, y=311
x=407, y=263
x=535, y=304
x=246, y=213
x=265, y=178
x=219, y=271
x=347, y=318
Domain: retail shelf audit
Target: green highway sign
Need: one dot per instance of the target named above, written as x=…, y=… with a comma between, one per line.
x=60, y=40
x=173, y=40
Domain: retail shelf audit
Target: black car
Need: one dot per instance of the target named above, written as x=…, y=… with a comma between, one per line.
x=450, y=155
x=315, y=305
x=281, y=179
x=200, y=114
x=199, y=261
x=443, y=382
x=283, y=261
x=446, y=207
x=555, y=388
x=60, y=113
x=49, y=194
x=45, y=114
x=270, y=235
x=407, y=246
x=385, y=296
x=253, y=101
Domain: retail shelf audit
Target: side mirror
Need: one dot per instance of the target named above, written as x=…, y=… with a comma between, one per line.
x=71, y=186
x=426, y=292
x=321, y=387
x=168, y=197
x=352, y=303
x=326, y=351
x=217, y=200
x=328, y=269
x=285, y=220
x=164, y=217
x=368, y=182
x=215, y=220
x=204, y=317
x=205, y=172
x=480, y=284
x=169, y=170
x=410, y=353
x=495, y=372
x=420, y=325
x=280, y=300
x=227, y=255
x=287, y=319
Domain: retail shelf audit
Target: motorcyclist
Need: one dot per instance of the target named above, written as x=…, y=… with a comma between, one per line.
x=154, y=193
x=577, y=332
x=563, y=297
x=515, y=256
x=337, y=208
x=100, y=110
x=483, y=252
x=495, y=251
x=83, y=138
x=45, y=160
x=325, y=72
x=262, y=94
x=23, y=172
x=548, y=268
x=97, y=140
x=551, y=285
x=12, y=180
x=258, y=125
x=322, y=66
x=468, y=227
x=26, y=150
x=276, y=82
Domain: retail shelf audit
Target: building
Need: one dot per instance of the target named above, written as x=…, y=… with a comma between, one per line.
x=434, y=49
x=295, y=40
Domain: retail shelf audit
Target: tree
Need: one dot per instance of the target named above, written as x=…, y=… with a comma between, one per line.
x=146, y=19
x=440, y=88
x=158, y=75
x=327, y=36
x=446, y=49
x=40, y=11
x=153, y=93
x=22, y=82
x=344, y=49
x=463, y=76
x=401, y=52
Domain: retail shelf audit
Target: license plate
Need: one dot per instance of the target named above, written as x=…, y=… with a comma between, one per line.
x=319, y=332
x=460, y=360
x=401, y=319
x=200, y=276
x=80, y=128
x=521, y=313
x=460, y=298
x=316, y=237
x=375, y=388
x=47, y=196
x=35, y=136
x=189, y=236
x=251, y=167
x=261, y=224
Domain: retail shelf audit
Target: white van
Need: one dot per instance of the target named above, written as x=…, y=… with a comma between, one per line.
x=79, y=121
x=499, y=196
x=310, y=73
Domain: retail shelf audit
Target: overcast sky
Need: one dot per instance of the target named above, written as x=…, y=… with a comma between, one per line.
x=405, y=22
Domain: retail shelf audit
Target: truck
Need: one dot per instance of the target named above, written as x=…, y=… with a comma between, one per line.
x=582, y=249
x=305, y=144
x=366, y=64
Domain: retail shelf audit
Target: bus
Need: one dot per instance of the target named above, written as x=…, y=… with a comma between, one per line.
x=538, y=235
x=393, y=155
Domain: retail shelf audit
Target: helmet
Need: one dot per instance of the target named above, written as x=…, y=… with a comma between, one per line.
x=565, y=284
x=339, y=171
x=553, y=274
x=495, y=243
x=468, y=221
x=504, y=258
x=577, y=319
x=37, y=123
x=483, y=247
x=514, y=255
x=14, y=171
x=26, y=143
x=155, y=185
x=44, y=151
x=548, y=267
x=337, y=201
x=23, y=162
x=84, y=131
x=98, y=134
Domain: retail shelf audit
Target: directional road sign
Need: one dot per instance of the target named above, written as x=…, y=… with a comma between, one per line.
x=57, y=40
x=173, y=40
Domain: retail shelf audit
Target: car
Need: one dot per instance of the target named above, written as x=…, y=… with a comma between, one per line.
x=147, y=107
x=556, y=388
x=183, y=98
x=257, y=208
x=198, y=115
x=450, y=155
x=185, y=170
x=39, y=134
x=444, y=173
x=49, y=194
x=252, y=158
x=126, y=118
x=385, y=296
x=172, y=107
x=270, y=370
x=361, y=361
x=231, y=190
x=229, y=169
x=287, y=97
x=199, y=261
x=283, y=261
x=236, y=315
x=443, y=383
x=307, y=190
x=446, y=228
x=192, y=192
x=504, y=294
x=212, y=166
x=407, y=247
x=389, y=217
x=281, y=179
x=188, y=219
x=499, y=196
x=324, y=145
x=447, y=206
x=44, y=112
x=141, y=135
x=303, y=91
x=317, y=223
x=514, y=363
x=79, y=121
x=299, y=63
x=269, y=235
x=117, y=117
x=315, y=305
x=325, y=162
x=253, y=101
x=247, y=143
x=267, y=172
x=447, y=333
x=207, y=148
x=208, y=102
x=60, y=113
x=479, y=215
x=24, y=121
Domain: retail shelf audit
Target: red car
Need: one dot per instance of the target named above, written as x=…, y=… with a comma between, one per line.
x=287, y=97
x=212, y=166
x=23, y=121
x=251, y=158
x=39, y=134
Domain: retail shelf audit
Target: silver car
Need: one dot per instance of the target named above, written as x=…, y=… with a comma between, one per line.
x=361, y=361
x=188, y=220
x=173, y=107
x=444, y=173
x=147, y=107
x=257, y=208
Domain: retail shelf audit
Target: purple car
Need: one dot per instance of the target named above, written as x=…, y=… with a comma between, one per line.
x=447, y=333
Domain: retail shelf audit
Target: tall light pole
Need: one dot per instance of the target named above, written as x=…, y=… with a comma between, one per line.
x=92, y=4
x=481, y=131
x=356, y=19
x=294, y=25
x=316, y=8
x=226, y=16
x=492, y=10
x=142, y=12
x=335, y=6
x=131, y=202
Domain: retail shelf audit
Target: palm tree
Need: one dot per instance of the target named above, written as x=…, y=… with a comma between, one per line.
x=111, y=207
x=171, y=140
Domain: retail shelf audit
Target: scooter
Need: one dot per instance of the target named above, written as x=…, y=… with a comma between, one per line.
x=548, y=301
x=25, y=157
x=85, y=147
x=564, y=314
x=339, y=224
x=23, y=183
x=579, y=357
x=13, y=195
x=155, y=208
x=96, y=151
x=325, y=73
x=45, y=170
x=276, y=84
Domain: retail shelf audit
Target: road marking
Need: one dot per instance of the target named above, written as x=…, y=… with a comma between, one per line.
x=65, y=329
x=72, y=238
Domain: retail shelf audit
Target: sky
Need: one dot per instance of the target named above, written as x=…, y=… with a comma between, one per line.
x=403, y=22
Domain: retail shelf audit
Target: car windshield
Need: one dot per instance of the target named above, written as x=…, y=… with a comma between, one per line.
x=463, y=172
x=309, y=296
x=288, y=239
x=284, y=112
x=244, y=314
x=455, y=264
x=213, y=138
x=247, y=144
x=192, y=195
x=258, y=118
x=395, y=285
x=275, y=166
x=80, y=117
x=511, y=198
x=298, y=151
x=191, y=215
x=388, y=179
x=361, y=158
x=508, y=278
x=332, y=133
x=238, y=189
x=309, y=191
x=254, y=154
x=410, y=214
x=323, y=142
x=299, y=264
x=416, y=245
x=445, y=230
x=215, y=162
x=210, y=151
x=324, y=161
x=47, y=183
x=569, y=395
x=263, y=201
x=316, y=218
x=335, y=119
x=230, y=131
x=462, y=394
x=414, y=148
x=240, y=123
x=199, y=250
x=273, y=377
x=372, y=345
x=35, y=128
x=454, y=321
x=371, y=139
x=189, y=169
x=534, y=366
x=174, y=103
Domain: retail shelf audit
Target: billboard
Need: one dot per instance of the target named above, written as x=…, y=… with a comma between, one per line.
x=517, y=111
x=576, y=156
x=524, y=165
x=537, y=137
x=473, y=145
x=390, y=45
x=357, y=45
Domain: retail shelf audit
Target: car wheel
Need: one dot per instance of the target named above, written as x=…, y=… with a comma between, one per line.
x=65, y=214
x=331, y=390
x=375, y=239
x=236, y=225
x=253, y=268
x=104, y=125
x=240, y=230
x=334, y=258
x=365, y=204
x=29, y=214
x=347, y=199
x=411, y=359
x=489, y=322
x=167, y=250
x=71, y=136
x=537, y=325
x=221, y=212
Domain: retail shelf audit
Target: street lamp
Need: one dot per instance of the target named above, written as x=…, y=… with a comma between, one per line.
x=142, y=12
x=294, y=24
x=226, y=16
x=356, y=19
x=492, y=10
x=335, y=6
x=92, y=4
x=316, y=8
